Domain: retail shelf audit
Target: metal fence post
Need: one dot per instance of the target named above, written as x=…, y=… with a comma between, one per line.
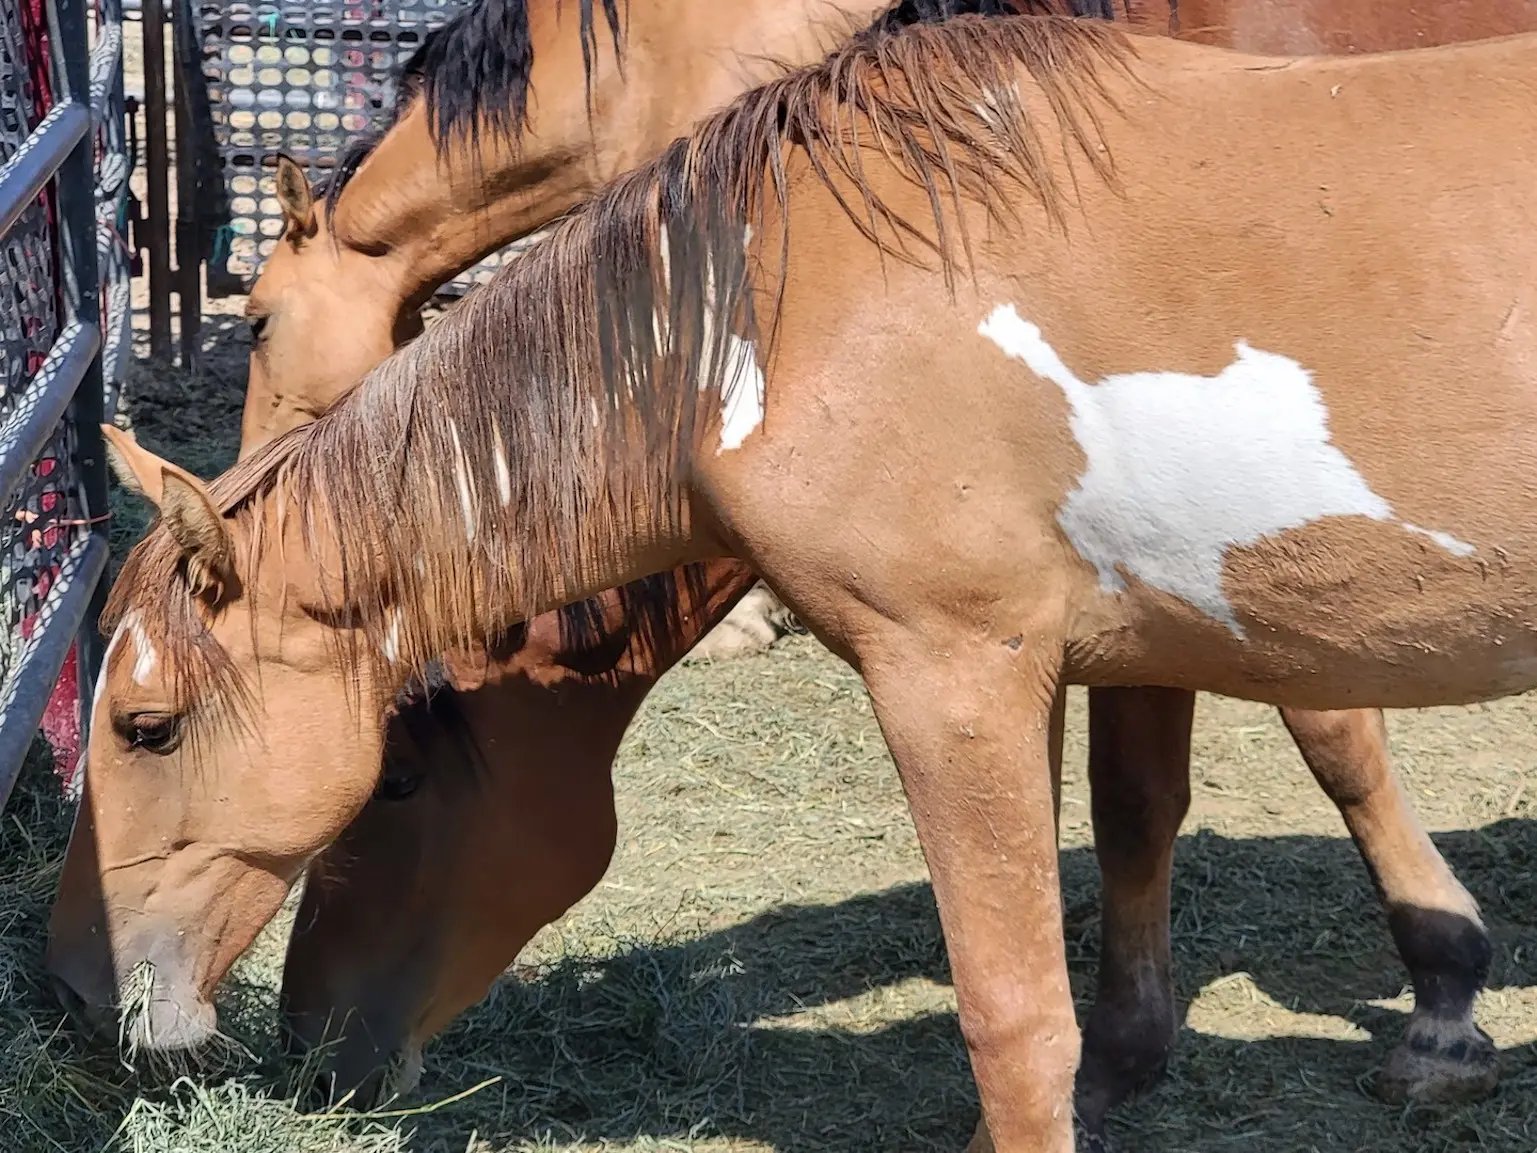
x=82, y=302
x=157, y=166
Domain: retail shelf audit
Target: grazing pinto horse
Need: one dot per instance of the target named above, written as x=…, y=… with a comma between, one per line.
x=1205, y=423
x=410, y=234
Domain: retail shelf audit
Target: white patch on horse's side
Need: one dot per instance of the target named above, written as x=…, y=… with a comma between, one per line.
x=1180, y=467
x=390, y=646
x=145, y=657
x=465, y=485
x=499, y=463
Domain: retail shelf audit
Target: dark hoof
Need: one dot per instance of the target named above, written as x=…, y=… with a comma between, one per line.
x=1440, y=1061
x=1119, y=1061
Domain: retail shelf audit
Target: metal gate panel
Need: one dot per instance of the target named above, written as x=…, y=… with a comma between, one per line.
x=302, y=78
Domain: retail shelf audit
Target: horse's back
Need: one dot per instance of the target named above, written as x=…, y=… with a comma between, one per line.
x=1339, y=27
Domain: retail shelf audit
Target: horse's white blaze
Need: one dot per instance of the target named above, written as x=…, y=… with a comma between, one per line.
x=145, y=657
x=499, y=463
x=465, y=485
x=130, y=620
x=1182, y=467
x=390, y=646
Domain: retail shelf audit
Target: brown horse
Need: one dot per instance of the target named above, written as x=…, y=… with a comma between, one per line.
x=1164, y=454
x=1342, y=27
x=1140, y=737
x=548, y=845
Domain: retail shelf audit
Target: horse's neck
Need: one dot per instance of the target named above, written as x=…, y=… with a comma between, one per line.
x=434, y=217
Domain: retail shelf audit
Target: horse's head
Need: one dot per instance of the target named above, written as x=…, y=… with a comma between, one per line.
x=225, y=750
x=324, y=311
x=493, y=816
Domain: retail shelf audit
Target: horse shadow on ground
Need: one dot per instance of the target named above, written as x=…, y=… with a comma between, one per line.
x=701, y=1037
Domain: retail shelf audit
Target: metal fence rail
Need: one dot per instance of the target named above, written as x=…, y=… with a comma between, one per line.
x=53, y=487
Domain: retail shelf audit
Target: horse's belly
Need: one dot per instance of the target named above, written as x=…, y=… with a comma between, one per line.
x=1350, y=611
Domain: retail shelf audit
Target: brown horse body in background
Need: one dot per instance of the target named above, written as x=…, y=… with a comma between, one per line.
x=1139, y=747
x=540, y=445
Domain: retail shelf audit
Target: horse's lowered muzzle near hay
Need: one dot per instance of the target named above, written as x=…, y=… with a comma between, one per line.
x=155, y=1004
x=528, y=734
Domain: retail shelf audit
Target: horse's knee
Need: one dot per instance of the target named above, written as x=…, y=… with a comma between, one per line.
x=1139, y=767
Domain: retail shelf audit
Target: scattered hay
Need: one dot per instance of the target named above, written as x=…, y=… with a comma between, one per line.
x=235, y=1118
x=55, y=1096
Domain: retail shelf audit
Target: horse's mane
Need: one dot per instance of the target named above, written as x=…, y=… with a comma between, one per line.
x=473, y=73
x=554, y=414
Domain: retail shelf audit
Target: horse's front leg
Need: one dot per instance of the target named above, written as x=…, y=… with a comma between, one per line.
x=1139, y=780
x=1435, y=922
x=969, y=723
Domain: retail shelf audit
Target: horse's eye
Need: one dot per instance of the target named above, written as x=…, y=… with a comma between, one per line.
x=398, y=788
x=154, y=732
x=258, y=325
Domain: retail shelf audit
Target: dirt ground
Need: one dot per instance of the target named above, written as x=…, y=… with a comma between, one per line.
x=762, y=968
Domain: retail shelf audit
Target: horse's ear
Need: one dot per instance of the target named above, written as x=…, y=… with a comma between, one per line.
x=137, y=469
x=295, y=198
x=188, y=512
x=194, y=523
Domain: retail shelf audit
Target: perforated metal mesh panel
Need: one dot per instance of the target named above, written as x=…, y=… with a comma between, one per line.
x=301, y=78
x=34, y=542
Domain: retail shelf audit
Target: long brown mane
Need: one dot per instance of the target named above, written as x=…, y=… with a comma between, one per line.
x=555, y=412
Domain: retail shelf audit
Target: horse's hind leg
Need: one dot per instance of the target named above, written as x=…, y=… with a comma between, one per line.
x=1434, y=921
x=1139, y=780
